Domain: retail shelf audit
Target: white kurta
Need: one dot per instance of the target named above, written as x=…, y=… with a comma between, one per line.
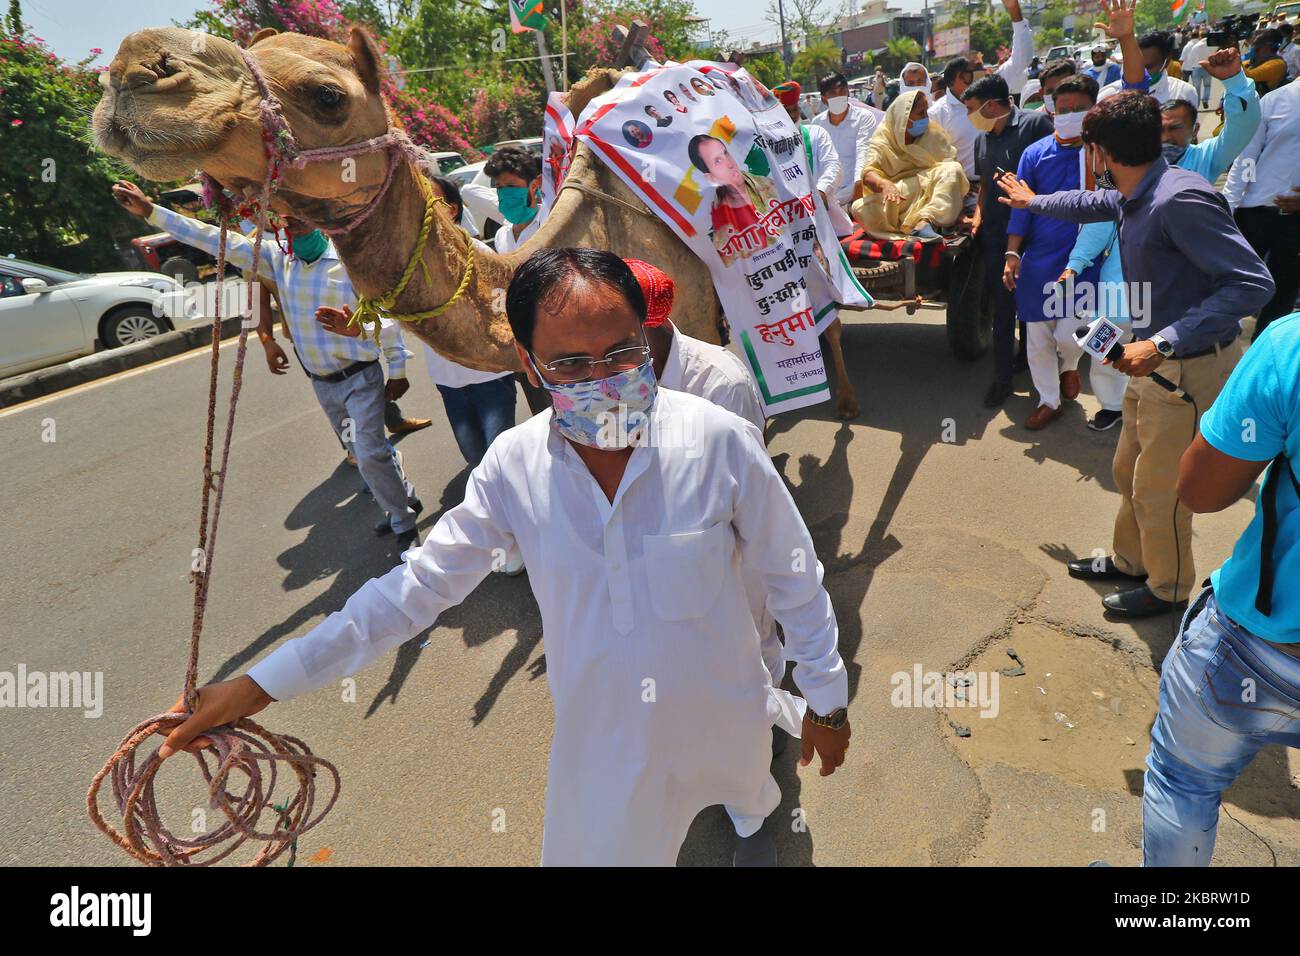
x=710, y=371
x=713, y=373
x=827, y=174
x=662, y=704
x=850, y=137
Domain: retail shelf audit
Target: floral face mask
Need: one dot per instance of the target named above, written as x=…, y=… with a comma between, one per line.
x=606, y=413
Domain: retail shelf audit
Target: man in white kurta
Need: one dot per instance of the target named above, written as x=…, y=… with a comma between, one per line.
x=663, y=705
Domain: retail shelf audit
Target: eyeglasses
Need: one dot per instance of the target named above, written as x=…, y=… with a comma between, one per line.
x=579, y=368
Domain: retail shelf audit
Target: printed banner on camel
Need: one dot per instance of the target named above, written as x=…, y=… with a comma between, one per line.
x=714, y=154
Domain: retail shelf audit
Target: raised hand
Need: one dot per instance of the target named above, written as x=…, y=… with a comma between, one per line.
x=1119, y=18
x=131, y=198
x=1222, y=64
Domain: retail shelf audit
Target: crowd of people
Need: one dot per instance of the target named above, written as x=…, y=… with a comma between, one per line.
x=1100, y=203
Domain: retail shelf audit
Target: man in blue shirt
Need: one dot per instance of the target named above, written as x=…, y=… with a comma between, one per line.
x=1104, y=70
x=1201, y=278
x=1098, y=240
x=1230, y=684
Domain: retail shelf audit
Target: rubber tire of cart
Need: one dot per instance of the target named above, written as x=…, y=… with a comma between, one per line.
x=970, y=305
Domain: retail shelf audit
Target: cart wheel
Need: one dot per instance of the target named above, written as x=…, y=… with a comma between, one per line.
x=970, y=305
x=180, y=269
x=877, y=272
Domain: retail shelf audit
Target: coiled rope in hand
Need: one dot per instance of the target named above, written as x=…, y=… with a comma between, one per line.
x=244, y=748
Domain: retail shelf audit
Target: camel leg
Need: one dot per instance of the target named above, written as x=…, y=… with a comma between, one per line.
x=846, y=402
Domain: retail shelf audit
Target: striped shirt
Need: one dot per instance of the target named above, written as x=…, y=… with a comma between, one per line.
x=301, y=288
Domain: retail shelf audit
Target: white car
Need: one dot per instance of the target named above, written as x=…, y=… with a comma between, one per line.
x=463, y=175
x=48, y=315
x=448, y=161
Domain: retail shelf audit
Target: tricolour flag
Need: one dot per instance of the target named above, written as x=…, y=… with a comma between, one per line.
x=527, y=15
x=1180, y=9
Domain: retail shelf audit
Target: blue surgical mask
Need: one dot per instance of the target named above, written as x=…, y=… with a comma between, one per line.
x=308, y=247
x=1172, y=153
x=513, y=203
x=918, y=126
x=606, y=413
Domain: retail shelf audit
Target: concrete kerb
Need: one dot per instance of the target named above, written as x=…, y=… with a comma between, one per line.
x=88, y=368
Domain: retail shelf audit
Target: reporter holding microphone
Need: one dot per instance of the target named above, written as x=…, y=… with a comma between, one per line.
x=1177, y=236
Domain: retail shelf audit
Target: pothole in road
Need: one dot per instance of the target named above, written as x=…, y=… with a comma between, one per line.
x=1081, y=711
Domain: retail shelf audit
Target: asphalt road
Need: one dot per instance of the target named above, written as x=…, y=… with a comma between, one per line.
x=943, y=528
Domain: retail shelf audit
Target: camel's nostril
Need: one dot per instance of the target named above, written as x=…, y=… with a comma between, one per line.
x=150, y=71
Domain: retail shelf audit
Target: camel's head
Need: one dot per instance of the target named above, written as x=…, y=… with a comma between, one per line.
x=175, y=100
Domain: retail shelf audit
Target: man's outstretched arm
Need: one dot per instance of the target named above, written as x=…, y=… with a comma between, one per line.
x=385, y=612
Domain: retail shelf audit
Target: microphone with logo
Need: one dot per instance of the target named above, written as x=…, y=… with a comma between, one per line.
x=1103, y=339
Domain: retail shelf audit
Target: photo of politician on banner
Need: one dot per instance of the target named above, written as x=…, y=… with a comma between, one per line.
x=729, y=173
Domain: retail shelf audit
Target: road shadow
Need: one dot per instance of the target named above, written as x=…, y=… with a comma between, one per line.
x=339, y=543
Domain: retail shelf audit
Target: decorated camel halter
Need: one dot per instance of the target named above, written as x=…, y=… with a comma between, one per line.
x=282, y=152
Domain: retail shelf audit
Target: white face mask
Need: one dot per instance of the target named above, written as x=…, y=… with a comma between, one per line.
x=1069, y=125
x=923, y=90
x=1048, y=105
x=837, y=105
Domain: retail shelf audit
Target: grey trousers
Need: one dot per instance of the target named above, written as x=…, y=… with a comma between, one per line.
x=355, y=407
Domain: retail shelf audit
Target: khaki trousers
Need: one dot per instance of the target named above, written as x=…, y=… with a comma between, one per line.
x=1157, y=429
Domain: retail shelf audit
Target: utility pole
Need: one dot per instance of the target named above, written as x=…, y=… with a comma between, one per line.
x=785, y=45
x=925, y=36
x=547, y=73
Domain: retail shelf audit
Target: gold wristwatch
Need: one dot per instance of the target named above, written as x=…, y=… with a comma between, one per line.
x=834, y=720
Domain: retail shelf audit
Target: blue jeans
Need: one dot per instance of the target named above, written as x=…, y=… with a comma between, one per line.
x=1201, y=83
x=479, y=413
x=355, y=407
x=1224, y=694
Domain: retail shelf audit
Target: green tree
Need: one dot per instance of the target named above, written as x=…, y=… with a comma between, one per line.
x=815, y=60
x=55, y=204
x=767, y=69
x=899, y=50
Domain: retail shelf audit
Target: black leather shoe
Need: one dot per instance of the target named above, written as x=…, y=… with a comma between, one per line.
x=1085, y=570
x=998, y=393
x=385, y=526
x=756, y=850
x=407, y=540
x=1139, y=602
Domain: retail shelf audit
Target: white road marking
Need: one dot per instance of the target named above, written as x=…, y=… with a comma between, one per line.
x=205, y=350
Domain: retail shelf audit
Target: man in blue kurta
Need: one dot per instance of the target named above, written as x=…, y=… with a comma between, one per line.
x=1038, y=250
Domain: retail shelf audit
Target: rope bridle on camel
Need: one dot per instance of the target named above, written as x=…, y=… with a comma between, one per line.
x=246, y=747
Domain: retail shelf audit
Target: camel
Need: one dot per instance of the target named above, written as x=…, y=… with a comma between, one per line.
x=175, y=100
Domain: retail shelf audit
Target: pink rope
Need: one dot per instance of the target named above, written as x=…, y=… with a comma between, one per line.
x=245, y=745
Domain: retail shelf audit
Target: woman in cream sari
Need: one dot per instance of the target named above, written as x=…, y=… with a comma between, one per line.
x=913, y=184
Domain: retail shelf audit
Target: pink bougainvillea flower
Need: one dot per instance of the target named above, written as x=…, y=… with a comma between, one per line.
x=16, y=122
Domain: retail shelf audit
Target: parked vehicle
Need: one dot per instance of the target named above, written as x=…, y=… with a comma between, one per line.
x=49, y=315
x=532, y=143
x=448, y=161
x=161, y=252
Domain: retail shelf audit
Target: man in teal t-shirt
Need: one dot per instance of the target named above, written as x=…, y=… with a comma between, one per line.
x=1231, y=681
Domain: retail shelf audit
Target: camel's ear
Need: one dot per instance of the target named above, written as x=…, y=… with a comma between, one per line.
x=261, y=35
x=370, y=67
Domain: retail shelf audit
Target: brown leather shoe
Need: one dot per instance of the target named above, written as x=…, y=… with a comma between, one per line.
x=410, y=425
x=1042, y=418
x=1070, y=385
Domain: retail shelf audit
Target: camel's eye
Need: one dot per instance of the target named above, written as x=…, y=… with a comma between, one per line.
x=329, y=97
